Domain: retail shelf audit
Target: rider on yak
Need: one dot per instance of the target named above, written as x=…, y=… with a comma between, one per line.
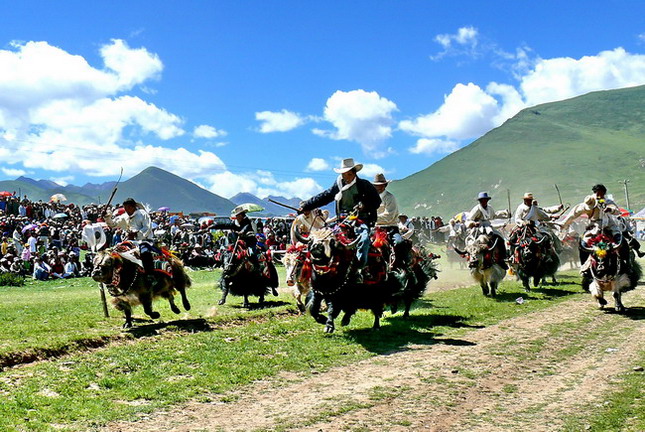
x=242, y=226
x=604, y=218
x=351, y=194
x=135, y=223
x=479, y=221
x=534, y=219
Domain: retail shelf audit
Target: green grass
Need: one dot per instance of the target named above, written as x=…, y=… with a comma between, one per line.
x=42, y=319
x=164, y=365
x=623, y=409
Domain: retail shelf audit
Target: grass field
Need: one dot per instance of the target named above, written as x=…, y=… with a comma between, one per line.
x=75, y=370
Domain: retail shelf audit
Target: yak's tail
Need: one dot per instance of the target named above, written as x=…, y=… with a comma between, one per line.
x=180, y=278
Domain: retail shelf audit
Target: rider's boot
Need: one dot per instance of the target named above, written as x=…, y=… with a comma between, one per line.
x=149, y=269
x=355, y=272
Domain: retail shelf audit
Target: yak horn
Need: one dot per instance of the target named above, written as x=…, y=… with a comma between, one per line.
x=541, y=240
x=353, y=244
x=300, y=237
x=458, y=251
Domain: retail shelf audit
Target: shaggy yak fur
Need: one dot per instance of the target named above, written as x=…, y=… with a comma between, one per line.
x=334, y=280
x=613, y=267
x=535, y=258
x=132, y=288
x=482, y=265
x=242, y=277
x=413, y=268
x=298, y=269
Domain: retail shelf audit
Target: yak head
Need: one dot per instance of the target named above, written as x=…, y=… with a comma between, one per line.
x=479, y=252
x=604, y=259
x=326, y=245
x=530, y=249
x=295, y=259
x=235, y=258
x=104, y=265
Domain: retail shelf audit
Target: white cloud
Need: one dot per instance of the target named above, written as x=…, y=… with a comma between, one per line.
x=464, y=36
x=434, y=146
x=360, y=116
x=58, y=113
x=206, y=131
x=318, y=164
x=13, y=172
x=63, y=181
x=228, y=184
x=641, y=37
x=282, y=121
x=466, y=112
x=132, y=66
x=261, y=184
x=370, y=170
x=565, y=77
x=469, y=110
x=465, y=41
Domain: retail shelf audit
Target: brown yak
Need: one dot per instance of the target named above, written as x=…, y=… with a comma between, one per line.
x=128, y=285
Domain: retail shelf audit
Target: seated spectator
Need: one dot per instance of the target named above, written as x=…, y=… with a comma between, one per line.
x=41, y=269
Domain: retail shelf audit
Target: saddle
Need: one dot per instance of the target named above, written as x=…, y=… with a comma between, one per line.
x=160, y=257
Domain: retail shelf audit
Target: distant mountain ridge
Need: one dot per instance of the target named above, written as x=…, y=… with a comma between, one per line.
x=152, y=186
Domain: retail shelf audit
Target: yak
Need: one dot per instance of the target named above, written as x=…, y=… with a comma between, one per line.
x=482, y=264
x=414, y=268
x=334, y=281
x=298, y=269
x=535, y=258
x=125, y=281
x=612, y=267
x=247, y=275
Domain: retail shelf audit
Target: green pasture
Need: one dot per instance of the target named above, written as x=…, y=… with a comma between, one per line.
x=204, y=354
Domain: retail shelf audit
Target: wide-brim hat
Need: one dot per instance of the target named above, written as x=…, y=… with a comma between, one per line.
x=133, y=202
x=238, y=210
x=347, y=165
x=528, y=195
x=483, y=195
x=379, y=179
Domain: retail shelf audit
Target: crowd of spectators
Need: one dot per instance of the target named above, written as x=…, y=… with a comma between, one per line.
x=44, y=239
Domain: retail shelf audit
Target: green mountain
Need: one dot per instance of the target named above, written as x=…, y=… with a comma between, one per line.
x=595, y=138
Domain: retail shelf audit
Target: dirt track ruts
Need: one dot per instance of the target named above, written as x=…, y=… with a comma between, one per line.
x=524, y=374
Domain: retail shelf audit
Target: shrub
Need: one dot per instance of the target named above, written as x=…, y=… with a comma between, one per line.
x=10, y=279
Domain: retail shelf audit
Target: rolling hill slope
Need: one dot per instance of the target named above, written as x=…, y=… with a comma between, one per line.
x=594, y=138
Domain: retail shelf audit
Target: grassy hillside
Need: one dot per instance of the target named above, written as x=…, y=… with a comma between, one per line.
x=595, y=138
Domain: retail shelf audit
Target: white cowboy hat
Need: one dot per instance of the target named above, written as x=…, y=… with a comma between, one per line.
x=348, y=164
x=237, y=210
x=528, y=195
x=379, y=179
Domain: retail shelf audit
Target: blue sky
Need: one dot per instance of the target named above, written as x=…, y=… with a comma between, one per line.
x=266, y=96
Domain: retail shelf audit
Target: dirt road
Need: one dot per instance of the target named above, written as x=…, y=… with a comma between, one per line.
x=529, y=373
